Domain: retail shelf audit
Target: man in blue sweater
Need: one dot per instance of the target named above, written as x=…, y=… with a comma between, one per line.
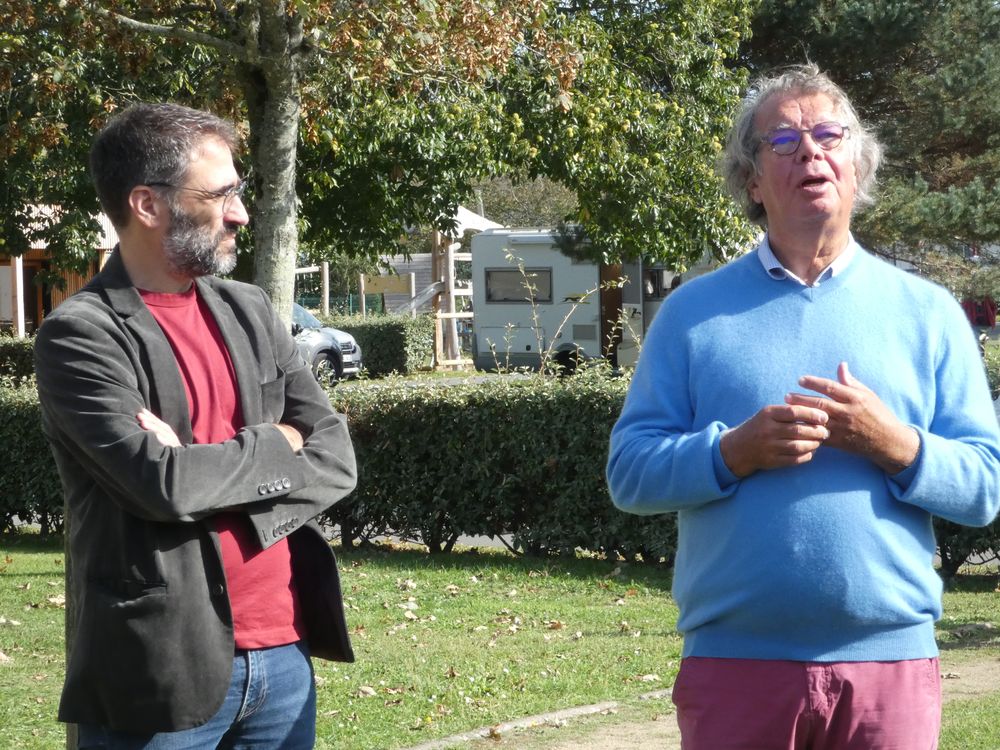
x=806, y=410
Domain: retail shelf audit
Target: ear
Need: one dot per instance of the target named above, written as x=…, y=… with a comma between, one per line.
x=753, y=188
x=147, y=207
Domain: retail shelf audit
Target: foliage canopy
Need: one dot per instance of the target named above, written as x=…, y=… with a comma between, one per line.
x=364, y=118
x=927, y=76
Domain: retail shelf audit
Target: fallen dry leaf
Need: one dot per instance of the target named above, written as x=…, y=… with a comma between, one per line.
x=366, y=691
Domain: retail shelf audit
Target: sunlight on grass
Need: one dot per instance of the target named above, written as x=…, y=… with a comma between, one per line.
x=446, y=644
x=449, y=643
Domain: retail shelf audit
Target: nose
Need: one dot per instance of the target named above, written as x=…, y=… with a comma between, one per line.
x=236, y=212
x=808, y=148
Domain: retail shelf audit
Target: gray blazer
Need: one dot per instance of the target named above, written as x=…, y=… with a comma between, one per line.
x=153, y=641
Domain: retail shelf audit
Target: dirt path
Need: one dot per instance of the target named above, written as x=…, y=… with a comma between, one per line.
x=653, y=725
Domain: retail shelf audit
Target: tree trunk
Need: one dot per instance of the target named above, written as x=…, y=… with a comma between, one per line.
x=271, y=88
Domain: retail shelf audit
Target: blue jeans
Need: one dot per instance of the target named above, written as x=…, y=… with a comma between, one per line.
x=271, y=704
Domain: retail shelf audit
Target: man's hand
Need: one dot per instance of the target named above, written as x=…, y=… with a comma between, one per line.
x=293, y=436
x=776, y=436
x=860, y=422
x=163, y=432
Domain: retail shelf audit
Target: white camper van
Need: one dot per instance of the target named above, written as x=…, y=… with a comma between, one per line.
x=505, y=333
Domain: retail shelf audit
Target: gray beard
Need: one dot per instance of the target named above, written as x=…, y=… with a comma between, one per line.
x=194, y=251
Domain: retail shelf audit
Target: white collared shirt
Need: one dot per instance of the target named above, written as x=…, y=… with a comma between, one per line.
x=779, y=273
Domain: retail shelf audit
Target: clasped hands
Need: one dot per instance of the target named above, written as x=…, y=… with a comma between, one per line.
x=847, y=415
x=166, y=435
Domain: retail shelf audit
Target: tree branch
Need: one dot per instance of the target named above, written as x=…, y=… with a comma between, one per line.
x=174, y=32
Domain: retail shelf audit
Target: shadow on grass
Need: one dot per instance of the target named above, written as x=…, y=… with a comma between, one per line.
x=501, y=561
x=31, y=541
x=968, y=636
x=979, y=629
x=471, y=559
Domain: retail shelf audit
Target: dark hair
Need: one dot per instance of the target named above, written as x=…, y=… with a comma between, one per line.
x=739, y=162
x=149, y=143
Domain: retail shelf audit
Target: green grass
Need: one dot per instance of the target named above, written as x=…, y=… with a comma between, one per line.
x=969, y=630
x=972, y=724
x=446, y=644
x=31, y=637
x=492, y=638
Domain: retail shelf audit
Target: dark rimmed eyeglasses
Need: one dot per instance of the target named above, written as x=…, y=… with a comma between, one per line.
x=227, y=194
x=786, y=141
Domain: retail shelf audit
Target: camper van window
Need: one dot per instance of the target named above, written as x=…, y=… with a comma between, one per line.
x=509, y=285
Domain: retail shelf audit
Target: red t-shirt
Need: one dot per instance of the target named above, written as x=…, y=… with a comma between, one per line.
x=261, y=590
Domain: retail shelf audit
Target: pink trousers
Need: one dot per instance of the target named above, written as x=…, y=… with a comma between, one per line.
x=750, y=704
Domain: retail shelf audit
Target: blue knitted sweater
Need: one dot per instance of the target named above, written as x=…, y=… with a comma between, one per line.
x=830, y=560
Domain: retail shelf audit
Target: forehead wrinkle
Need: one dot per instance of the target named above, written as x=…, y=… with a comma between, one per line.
x=788, y=108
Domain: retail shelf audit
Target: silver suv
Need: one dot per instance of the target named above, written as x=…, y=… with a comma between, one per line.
x=332, y=353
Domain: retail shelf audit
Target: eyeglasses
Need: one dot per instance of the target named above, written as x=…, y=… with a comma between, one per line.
x=785, y=141
x=227, y=194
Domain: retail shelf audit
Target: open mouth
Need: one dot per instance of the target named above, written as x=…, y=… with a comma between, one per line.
x=813, y=182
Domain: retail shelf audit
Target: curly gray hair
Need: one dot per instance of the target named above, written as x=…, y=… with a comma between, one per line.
x=739, y=161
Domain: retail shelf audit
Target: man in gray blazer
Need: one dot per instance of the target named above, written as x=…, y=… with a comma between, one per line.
x=195, y=448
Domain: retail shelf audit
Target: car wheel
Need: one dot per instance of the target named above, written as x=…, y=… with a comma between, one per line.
x=326, y=367
x=567, y=361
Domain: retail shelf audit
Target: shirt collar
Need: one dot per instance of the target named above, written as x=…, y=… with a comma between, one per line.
x=779, y=273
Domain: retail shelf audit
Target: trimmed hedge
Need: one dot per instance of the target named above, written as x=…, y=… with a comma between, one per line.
x=16, y=356
x=389, y=343
x=29, y=485
x=509, y=455
x=522, y=456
